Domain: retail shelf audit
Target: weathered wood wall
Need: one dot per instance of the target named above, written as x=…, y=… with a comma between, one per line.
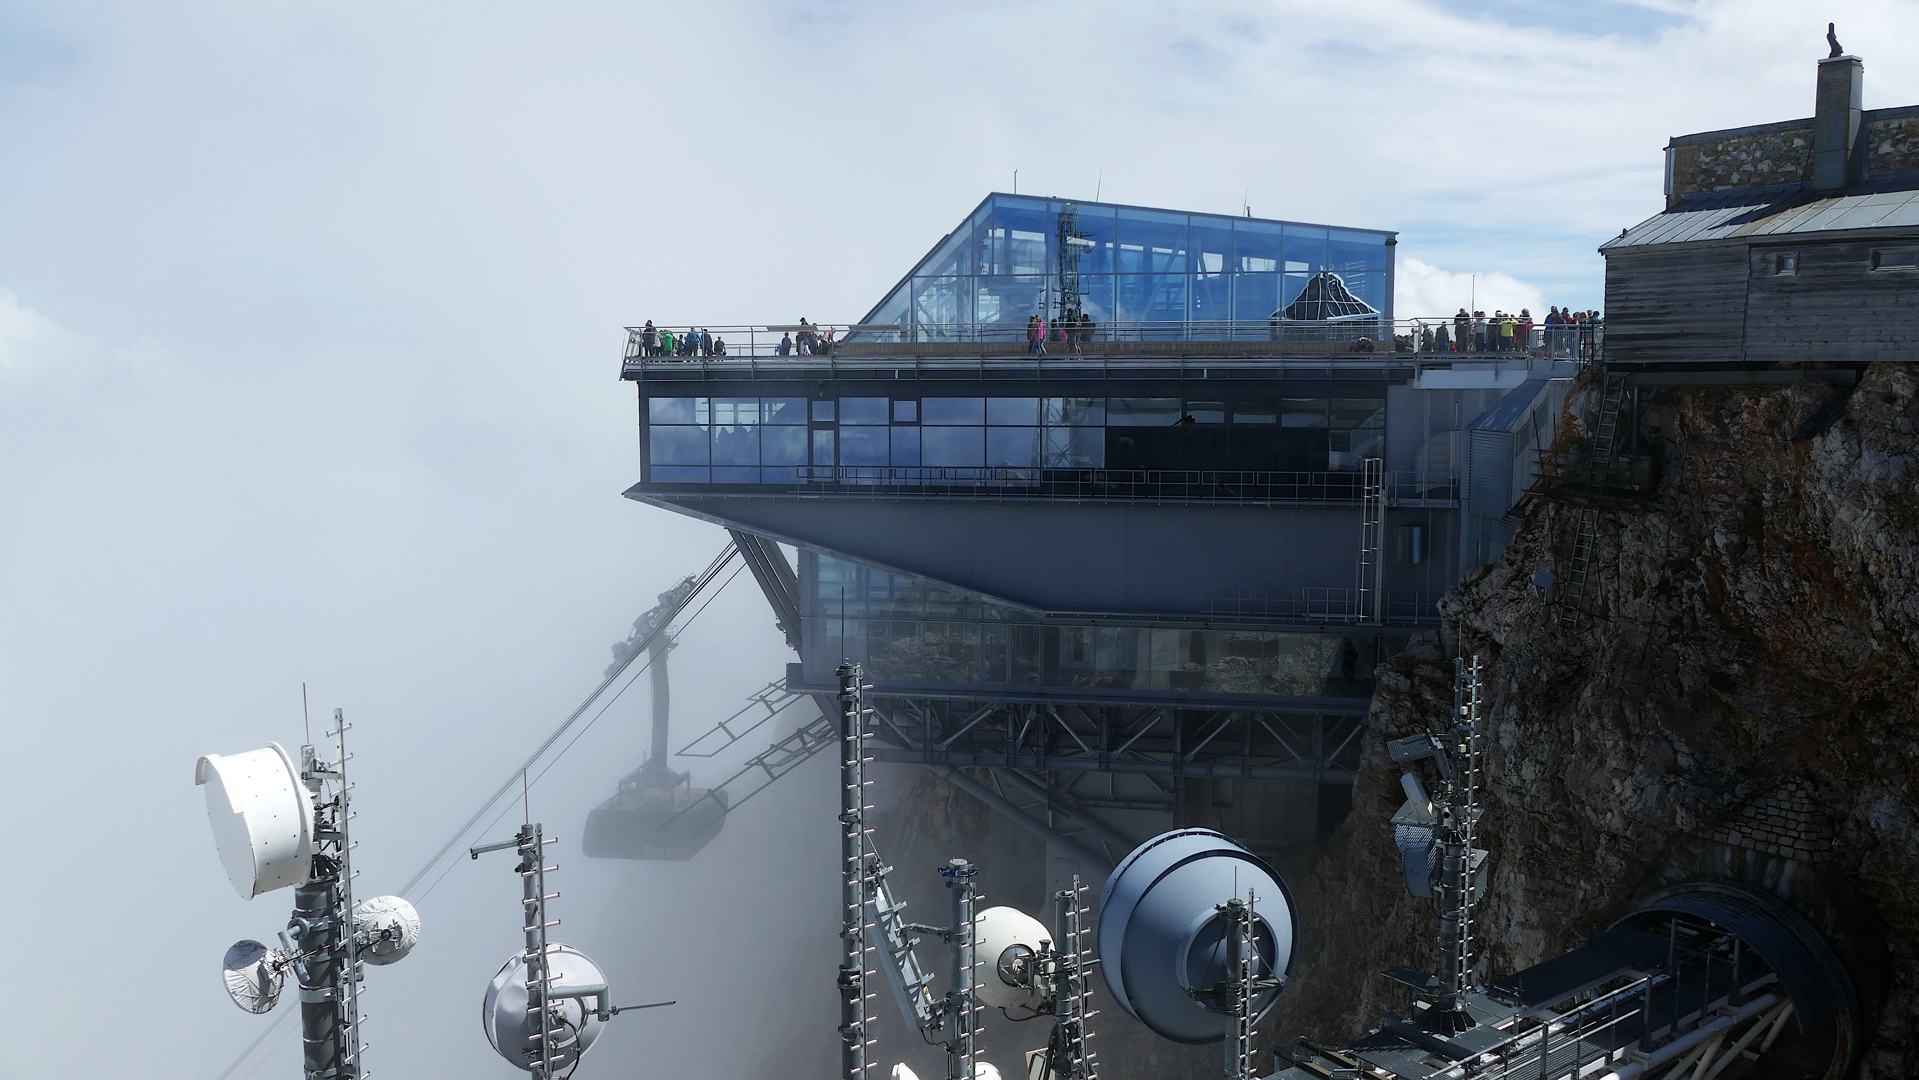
x=1835, y=307
x=1726, y=303
x=1678, y=304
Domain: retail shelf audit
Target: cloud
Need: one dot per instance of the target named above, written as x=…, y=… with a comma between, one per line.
x=32, y=344
x=36, y=348
x=1421, y=289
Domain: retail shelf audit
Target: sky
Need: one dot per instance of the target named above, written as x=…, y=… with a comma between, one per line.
x=309, y=332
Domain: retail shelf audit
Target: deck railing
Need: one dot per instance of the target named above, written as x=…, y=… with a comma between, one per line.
x=1192, y=485
x=1279, y=338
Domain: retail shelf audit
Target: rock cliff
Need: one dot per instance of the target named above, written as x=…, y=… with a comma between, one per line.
x=1742, y=700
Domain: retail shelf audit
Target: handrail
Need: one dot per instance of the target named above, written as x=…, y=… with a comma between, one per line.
x=1356, y=337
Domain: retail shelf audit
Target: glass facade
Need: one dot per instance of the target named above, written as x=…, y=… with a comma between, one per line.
x=909, y=632
x=716, y=440
x=1163, y=273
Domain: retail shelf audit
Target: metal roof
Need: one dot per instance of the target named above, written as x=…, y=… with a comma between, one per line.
x=1890, y=202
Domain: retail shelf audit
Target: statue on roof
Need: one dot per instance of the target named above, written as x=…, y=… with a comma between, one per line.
x=1832, y=39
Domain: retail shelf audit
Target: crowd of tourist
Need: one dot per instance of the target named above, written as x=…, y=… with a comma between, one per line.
x=810, y=340
x=687, y=344
x=1073, y=330
x=1563, y=334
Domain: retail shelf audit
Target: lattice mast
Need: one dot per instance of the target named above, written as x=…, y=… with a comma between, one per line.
x=321, y=930
x=1459, y=856
x=1070, y=246
x=853, y=872
x=962, y=1012
x=1242, y=970
x=1065, y=970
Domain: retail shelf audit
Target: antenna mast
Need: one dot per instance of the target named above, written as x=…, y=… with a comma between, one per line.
x=1460, y=860
x=321, y=930
x=853, y=871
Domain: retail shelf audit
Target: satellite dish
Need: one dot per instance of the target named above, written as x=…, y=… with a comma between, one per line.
x=262, y=818
x=255, y=975
x=385, y=928
x=1006, y=940
x=514, y=1033
x=1162, y=938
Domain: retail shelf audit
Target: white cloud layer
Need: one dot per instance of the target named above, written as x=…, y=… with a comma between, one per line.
x=388, y=249
x=1421, y=290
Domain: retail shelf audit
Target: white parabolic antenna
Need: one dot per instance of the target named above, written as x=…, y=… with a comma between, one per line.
x=255, y=975
x=262, y=818
x=514, y=1032
x=1006, y=939
x=386, y=928
x=1162, y=937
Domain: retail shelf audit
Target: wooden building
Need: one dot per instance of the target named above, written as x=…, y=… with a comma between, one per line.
x=1781, y=244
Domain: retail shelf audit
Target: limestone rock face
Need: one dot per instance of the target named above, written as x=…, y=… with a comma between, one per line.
x=1742, y=701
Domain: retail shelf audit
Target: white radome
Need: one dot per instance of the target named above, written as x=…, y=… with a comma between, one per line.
x=262, y=818
x=388, y=926
x=514, y=1034
x=1005, y=939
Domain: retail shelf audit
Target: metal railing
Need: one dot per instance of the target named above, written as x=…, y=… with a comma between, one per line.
x=1278, y=338
x=1400, y=605
x=1200, y=485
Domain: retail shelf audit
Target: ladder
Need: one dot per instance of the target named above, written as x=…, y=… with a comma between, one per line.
x=1371, y=606
x=1599, y=470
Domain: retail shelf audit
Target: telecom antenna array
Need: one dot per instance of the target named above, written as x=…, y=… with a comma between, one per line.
x=536, y=1014
x=277, y=825
x=1000, y=957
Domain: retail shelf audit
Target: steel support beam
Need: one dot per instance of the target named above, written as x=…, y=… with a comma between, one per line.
x=1131, y=766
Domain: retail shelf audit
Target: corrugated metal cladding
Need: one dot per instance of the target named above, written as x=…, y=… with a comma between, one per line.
x=1490, y=465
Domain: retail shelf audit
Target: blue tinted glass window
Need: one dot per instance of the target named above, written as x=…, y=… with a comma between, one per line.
x=1256, y=247
x=1012, y=447
x=1255, y=297
x=1095, y=225
x=863, y=410
x=782, y=410
x=680, y=474
x=1291, y=285
x=823, y=411
x=1302, y=413
x=1212, y=244
x=1141, y=412
x=1075, y=448
x=736, y=445
x=730, y=411
x=1306, y=246
x=823, y=447
x=1212, y=298
x=1152, y=298
x=678, y=410
x=864, y=445
x=1012, y=299
x=1096, y=297
x=957, y=447
x=906, y=445
x=942, y=300
x=678, y=445
x=952, y=410
x=1152, y=242
x=783, y=446
x=1075, y=412
x=906, y=412
x=1356, y=252
x=1019, y=236
x=1012, y=410
x=1368, y=287
x=736, y=474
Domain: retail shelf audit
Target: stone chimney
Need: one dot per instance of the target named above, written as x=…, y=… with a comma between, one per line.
x=1838, y=143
